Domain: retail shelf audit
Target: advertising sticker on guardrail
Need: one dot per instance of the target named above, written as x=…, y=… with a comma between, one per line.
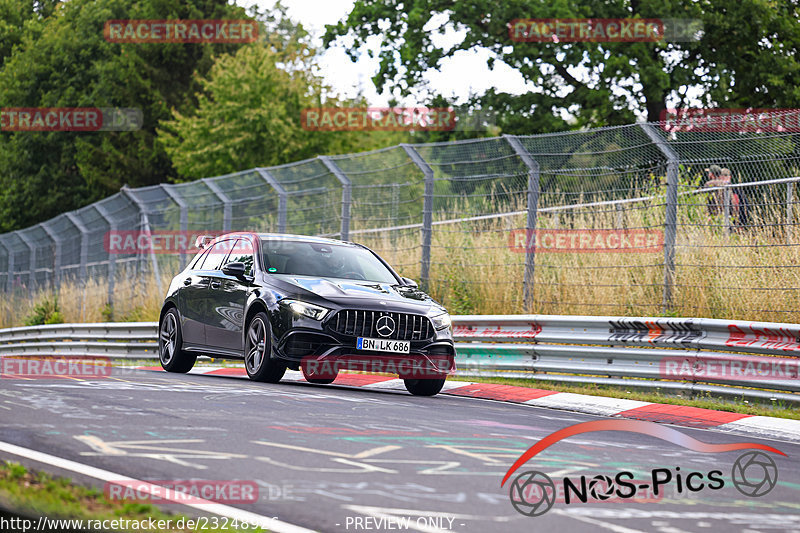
x=50, y=367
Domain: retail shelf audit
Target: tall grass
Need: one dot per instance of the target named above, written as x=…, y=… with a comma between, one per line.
x=747, y=274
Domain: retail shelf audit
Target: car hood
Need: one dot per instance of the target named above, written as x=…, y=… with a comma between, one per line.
x=342, y=291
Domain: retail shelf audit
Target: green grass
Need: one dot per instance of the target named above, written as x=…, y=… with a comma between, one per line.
x=39, y=494
x=704, y=401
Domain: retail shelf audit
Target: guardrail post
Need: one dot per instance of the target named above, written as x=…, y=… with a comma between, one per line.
x=84, y=255
x=671, y=214
x=145, y=224
x=31, y=260
x=227, y=203
x=427, y=215
x=346, y=194
x=112, y=257
x=789, y=213
x=57, y=251
x=282, y=197
x=530, y=224
x=184, y=220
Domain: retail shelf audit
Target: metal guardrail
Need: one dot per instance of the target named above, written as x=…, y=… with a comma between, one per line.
x=740, y=359
x=758, y=360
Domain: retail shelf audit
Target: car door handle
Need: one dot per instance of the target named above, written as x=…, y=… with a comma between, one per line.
x=215, y=284
x=187, y=281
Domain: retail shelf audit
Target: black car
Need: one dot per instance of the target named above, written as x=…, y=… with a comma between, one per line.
x=290, y=301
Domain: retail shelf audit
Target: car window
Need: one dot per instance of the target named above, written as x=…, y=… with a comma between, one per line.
x=242, y=253
x=217, y=255
x=197, y=264
x=330, y=260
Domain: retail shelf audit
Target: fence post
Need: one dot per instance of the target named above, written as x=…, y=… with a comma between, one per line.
x=84, y=256
x=530, y=224
x=112, y=257
x=227, y=207
x=145, y=224
x=346, y=194
x=671, y=215
x=184, y=220
x=282, y=197
x=10, y=255
x=427, y=215
x=726, y=194
x=57, y=250
x=31, y=260
x=789, y=213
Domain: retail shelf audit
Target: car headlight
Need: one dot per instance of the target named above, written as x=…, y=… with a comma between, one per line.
x=306, y=309
x=441, y=321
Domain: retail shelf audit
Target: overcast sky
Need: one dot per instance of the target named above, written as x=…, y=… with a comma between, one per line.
x=459, y=76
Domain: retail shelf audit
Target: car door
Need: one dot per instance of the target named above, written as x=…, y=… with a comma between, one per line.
x=227, y=298
x=193, y=297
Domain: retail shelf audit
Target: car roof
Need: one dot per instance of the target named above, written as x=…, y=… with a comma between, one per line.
x=278, y=236
x=304, y=238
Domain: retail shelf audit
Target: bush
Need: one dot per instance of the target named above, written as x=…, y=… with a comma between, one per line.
x=45, y=312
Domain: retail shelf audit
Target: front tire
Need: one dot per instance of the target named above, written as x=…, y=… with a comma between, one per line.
x=170, y=344
x=424, y=387
x=257, y=350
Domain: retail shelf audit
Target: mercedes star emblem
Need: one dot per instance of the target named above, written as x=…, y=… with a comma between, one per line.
x=385, y=326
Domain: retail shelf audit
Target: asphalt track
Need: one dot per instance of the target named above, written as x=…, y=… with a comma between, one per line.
x=336, y=458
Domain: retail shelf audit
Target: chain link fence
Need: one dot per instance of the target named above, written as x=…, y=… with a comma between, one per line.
x=610, y=221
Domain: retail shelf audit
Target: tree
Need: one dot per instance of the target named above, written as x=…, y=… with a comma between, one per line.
x=249, y=114
x=747, y=56
x=63, y=60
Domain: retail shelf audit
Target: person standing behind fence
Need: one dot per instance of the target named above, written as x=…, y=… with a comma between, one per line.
x=721, y=177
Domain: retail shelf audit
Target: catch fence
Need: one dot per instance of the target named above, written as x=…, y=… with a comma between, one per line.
x=616, y=220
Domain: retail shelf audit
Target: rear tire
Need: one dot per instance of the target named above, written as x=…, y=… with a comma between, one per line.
x=170, y=345
x=424, y=387
x=258, y=363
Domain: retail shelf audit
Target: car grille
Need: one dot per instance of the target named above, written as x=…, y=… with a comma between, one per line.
x=408, y=327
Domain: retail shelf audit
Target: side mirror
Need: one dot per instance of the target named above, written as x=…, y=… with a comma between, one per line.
x=408, y=282
x=234, y=269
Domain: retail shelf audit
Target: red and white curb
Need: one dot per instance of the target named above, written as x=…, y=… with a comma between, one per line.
x=680, y=415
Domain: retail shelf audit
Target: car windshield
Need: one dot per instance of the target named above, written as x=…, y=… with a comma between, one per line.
x=324, y=260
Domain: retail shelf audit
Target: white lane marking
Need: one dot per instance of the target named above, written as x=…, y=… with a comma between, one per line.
x=271, y=524
x=597, y=405
x=599, y=523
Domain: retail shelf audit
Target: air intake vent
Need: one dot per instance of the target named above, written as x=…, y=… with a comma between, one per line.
x=404, y=326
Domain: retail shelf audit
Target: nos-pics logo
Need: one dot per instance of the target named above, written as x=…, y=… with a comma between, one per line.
x=533, y=493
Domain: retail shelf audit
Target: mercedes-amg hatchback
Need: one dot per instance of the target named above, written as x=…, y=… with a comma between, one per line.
x=305, y=303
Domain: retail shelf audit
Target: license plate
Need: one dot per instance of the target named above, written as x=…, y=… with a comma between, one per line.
x=383, y=345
